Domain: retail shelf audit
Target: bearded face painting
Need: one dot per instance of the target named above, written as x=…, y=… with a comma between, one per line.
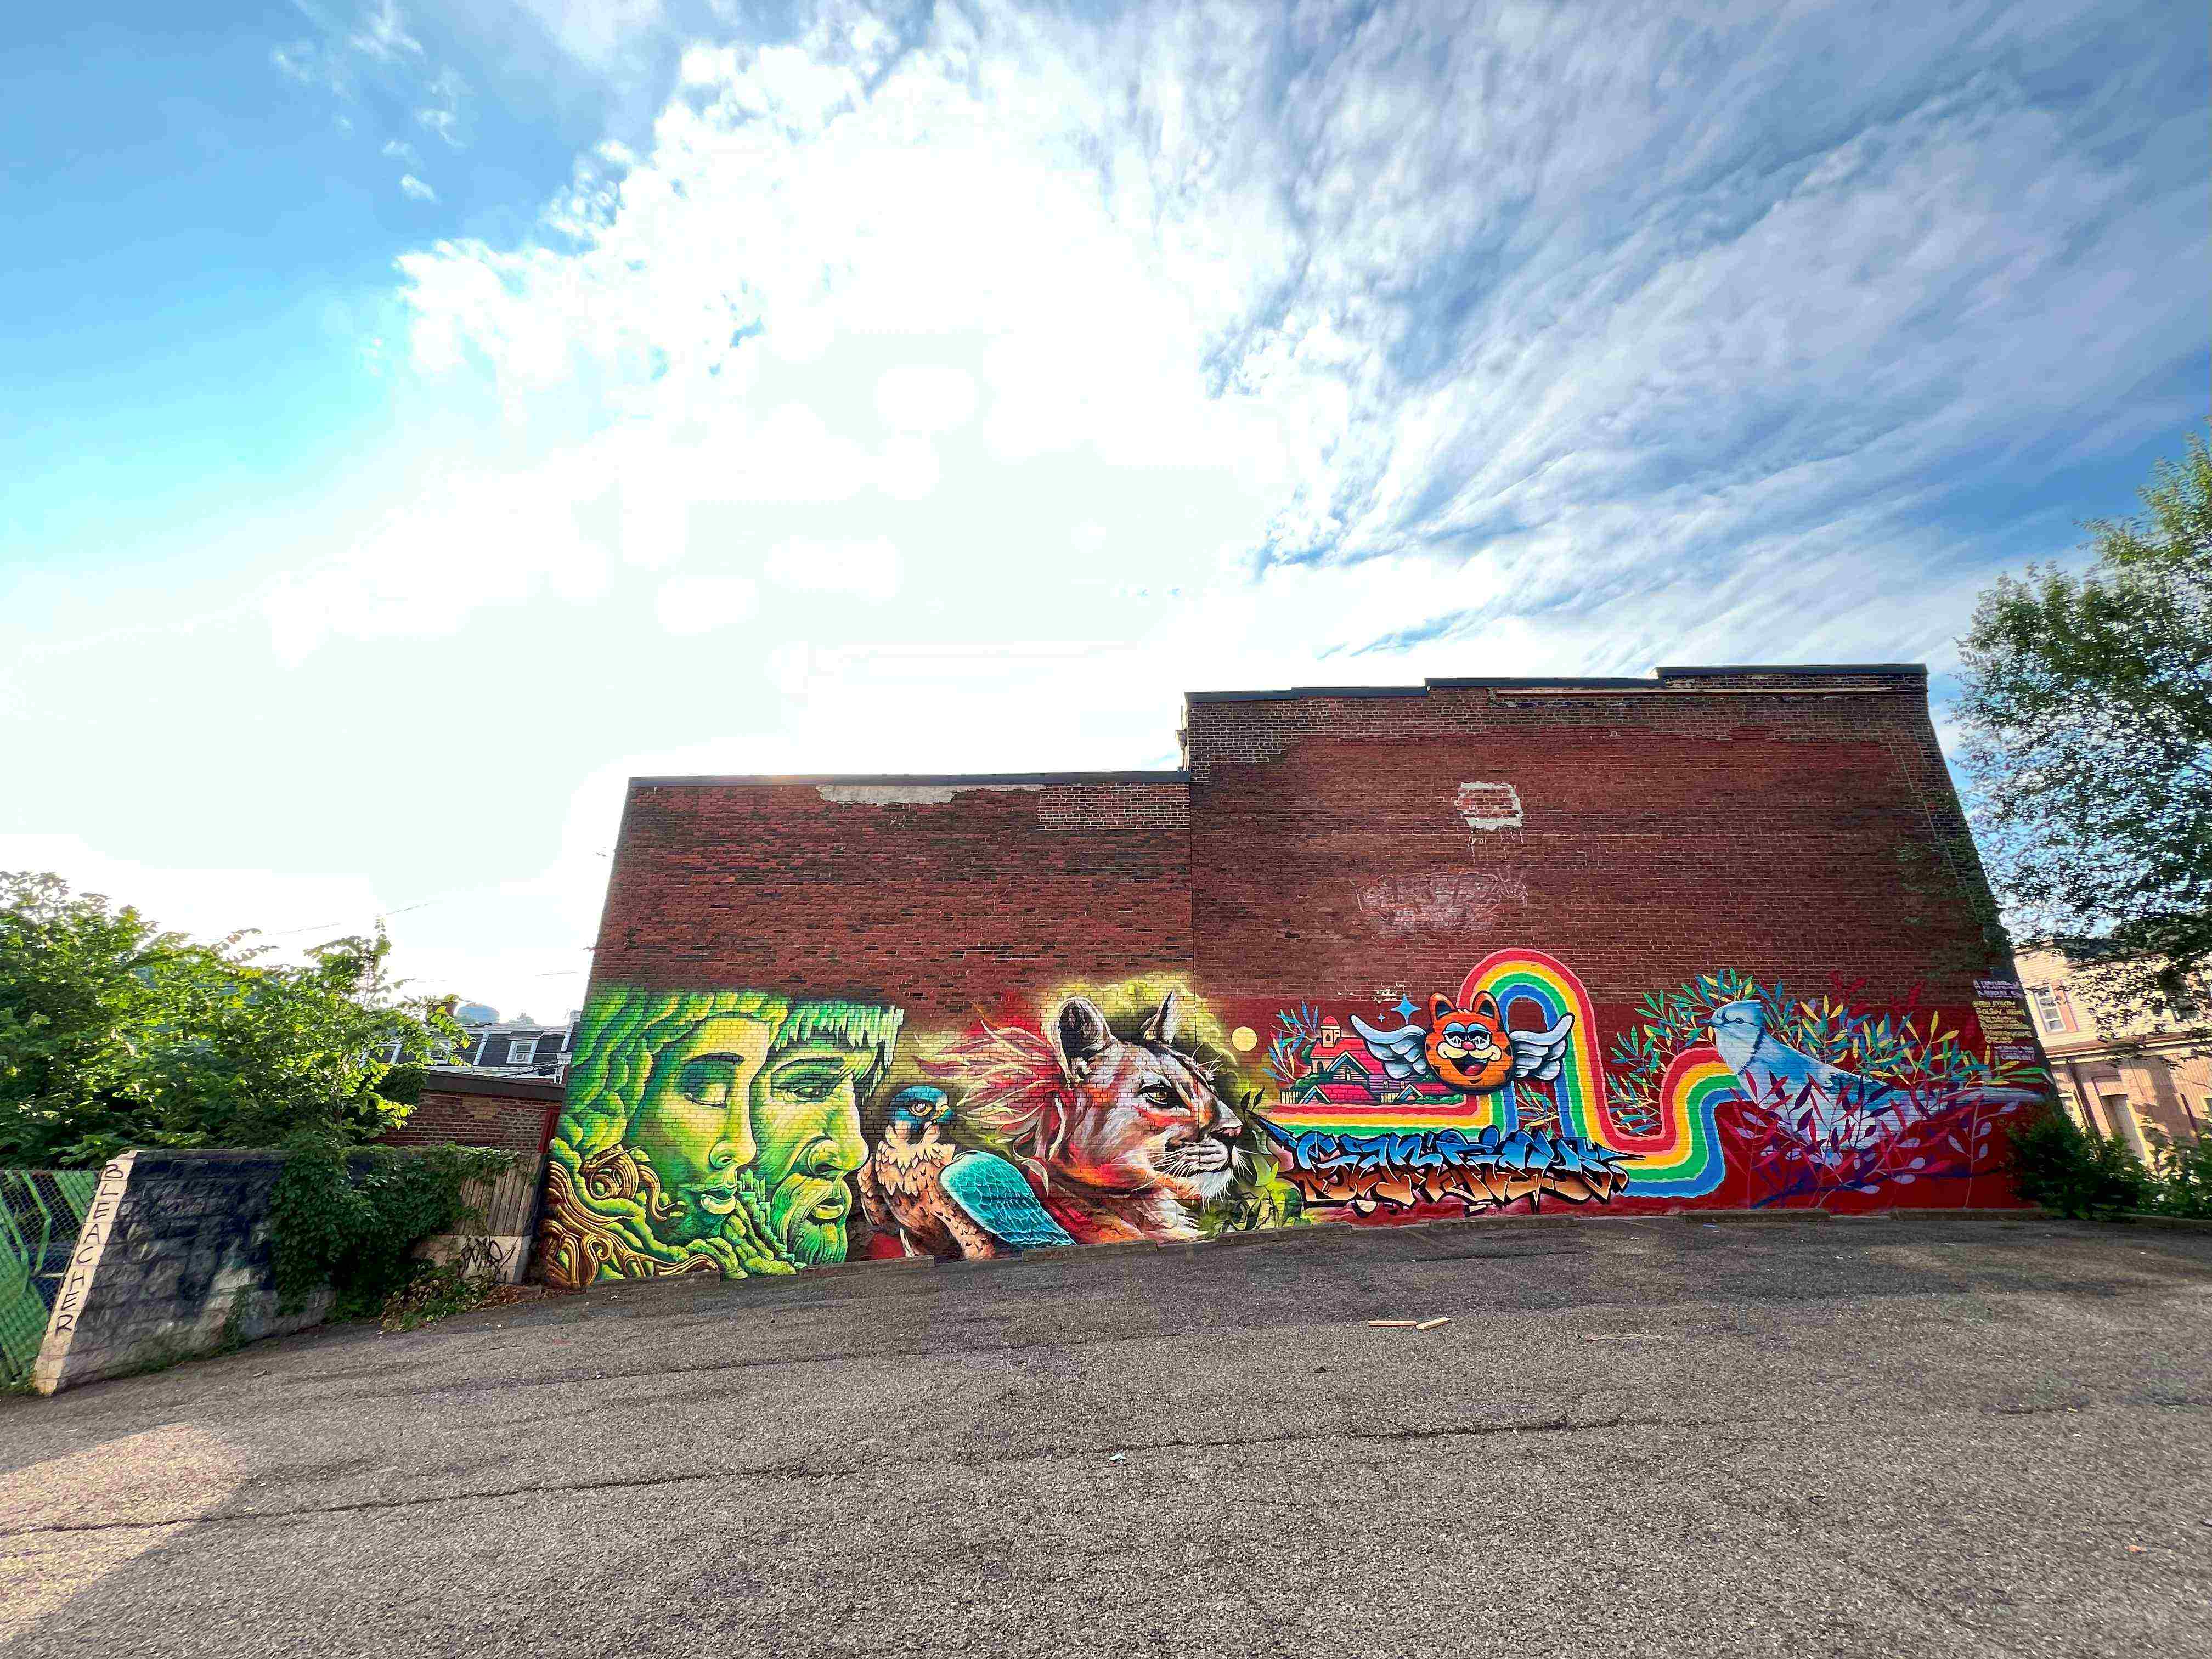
x=710, y=1131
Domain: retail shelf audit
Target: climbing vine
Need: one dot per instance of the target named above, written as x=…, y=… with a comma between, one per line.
x=348, y=1218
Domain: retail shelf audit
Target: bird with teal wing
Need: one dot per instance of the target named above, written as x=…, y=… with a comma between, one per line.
x=945, y=1199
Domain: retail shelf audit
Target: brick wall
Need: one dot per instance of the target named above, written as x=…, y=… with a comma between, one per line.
x=1796, y=827
x=511, y=1112
x=1655, y=886
x=934, y=894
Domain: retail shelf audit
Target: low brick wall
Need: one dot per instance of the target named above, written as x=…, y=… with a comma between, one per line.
x=173, y=1257
x=515, y=1114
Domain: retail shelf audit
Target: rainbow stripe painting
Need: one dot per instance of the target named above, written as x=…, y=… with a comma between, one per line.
x=1679, y=1156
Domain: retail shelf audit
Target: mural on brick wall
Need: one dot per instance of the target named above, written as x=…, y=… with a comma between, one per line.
x=737, y=1131
x=1452, y=1105
x=1811, y=1096
x=1113, y=1114
x=710, y=1132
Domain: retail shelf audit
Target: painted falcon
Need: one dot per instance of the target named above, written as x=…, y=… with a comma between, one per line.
x=947, y=1200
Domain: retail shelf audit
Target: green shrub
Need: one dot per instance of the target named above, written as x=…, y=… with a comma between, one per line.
x=2061, y=1166
x=466, y=1282
x=348, y=1218
x=403, y=1084
x=2181, y=1176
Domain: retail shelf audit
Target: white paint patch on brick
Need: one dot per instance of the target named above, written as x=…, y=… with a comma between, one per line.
x=1488, y=806
x=905, y=794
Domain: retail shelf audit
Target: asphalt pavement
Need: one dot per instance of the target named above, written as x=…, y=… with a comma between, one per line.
x=1899, y=1436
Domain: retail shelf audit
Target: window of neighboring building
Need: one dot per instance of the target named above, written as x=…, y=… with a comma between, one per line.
x=2054, y=1008
x=521, y=1051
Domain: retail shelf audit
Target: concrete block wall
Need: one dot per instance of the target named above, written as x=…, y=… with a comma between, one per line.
x=173, y=1259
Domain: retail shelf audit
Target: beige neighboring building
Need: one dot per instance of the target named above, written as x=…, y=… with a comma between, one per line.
x=2144, y=1077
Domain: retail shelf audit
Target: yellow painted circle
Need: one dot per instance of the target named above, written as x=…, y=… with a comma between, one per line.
x=1243, y=1039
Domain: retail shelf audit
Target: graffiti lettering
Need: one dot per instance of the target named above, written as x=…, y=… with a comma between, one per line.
x=1481, y=1170
x=91, y=1242
x=1453, y=898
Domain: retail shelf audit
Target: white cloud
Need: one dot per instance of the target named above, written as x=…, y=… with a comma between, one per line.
x=309, y=65
x=600, y=34
x=927, y=397
x=868, y=569
x=463, y=542
x=382, y=34
x=1331, y=298
x=1200, y=347
x=699, y=605
x=446, y=114
x=374, y=65
x=415, y=190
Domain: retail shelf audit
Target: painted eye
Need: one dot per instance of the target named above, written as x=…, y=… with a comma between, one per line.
x=809, y=1082
x=710, y=1079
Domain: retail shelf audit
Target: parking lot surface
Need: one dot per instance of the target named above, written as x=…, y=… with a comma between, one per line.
x=1955, y=1436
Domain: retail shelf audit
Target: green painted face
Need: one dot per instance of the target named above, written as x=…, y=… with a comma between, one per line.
x=694, y=1125
x=806, y=1122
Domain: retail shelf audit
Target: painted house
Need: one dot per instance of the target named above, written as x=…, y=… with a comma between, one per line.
x=1339, y=1067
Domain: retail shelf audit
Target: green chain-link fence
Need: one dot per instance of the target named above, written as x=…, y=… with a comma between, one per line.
x=40, y=1211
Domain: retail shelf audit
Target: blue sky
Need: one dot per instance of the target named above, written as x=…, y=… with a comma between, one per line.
x=414, y=421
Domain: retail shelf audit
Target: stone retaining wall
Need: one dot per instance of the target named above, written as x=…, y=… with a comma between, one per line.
x=174, y=1260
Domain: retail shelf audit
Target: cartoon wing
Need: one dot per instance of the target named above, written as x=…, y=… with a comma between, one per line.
x=1539, y=1054
x=997, y=1199
x=1404, y=1052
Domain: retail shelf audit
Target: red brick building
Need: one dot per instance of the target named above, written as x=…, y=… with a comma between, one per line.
x=1718, y=936
x=473, y=1108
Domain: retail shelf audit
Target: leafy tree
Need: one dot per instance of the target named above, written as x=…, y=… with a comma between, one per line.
x=116, y=1034
x=2087, y=716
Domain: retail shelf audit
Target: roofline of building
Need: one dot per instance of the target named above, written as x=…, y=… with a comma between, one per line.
x=918, y=780
x=1655, y=681
x=468, y=1080
x=1916, y=670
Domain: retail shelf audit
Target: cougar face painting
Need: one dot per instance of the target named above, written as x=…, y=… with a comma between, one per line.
x=1138, y=1114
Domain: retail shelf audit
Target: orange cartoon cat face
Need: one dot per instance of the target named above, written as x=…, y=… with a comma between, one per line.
x=1468, y=1048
